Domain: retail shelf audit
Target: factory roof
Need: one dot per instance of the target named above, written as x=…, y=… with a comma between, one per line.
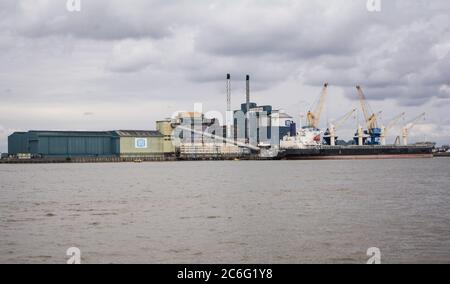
x=138, y=133
x=69, y=133
x=120, y=133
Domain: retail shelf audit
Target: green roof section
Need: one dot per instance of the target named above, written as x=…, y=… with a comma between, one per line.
x=71, y=133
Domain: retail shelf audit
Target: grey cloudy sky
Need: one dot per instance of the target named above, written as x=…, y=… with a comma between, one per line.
x=124, y=64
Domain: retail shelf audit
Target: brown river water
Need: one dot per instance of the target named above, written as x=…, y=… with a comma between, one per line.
x=227, y=211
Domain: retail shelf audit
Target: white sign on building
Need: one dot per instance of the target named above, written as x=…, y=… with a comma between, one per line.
x=140, y=143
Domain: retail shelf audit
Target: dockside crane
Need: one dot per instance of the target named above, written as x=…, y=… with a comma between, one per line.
x=385, y=129
x=330, y=134
x=361, y=135
x=313, y=117
x=409, y=126
x=370, y=119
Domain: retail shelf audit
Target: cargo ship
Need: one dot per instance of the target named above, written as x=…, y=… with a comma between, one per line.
x=326, y=152
x=310, y=142
x=307, y=145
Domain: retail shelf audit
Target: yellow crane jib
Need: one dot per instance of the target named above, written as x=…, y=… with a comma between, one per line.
x=330, y=135
x=394, y=121
x=371, y=120
x=314, y=117
x=369, y=117
x=391, y=124
x=343, y=119
x=409, y=126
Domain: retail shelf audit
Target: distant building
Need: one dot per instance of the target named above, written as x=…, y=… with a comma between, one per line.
x=194, y=136
x=190, y=128
x=121, y=143
x=189, y=133
x=262, y=124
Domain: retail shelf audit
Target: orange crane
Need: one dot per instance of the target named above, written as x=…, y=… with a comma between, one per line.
x=409, y=126
x=313, y=118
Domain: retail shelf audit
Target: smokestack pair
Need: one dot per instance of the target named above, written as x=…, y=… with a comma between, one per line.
x=247, y=89
x=247, y=104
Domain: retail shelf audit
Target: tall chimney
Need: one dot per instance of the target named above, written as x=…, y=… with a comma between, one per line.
x=228, y=92
x=247, y=103
x=228, y=114
x=247, y=93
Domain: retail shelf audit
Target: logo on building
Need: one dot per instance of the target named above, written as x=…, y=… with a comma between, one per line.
x=140, y=143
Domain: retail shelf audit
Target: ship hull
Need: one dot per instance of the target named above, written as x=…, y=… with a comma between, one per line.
x=357, y=152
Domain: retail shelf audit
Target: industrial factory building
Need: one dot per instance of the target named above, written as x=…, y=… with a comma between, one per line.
x=262, y=124
x=253, y=131
x=119, y=143
x=188, y=135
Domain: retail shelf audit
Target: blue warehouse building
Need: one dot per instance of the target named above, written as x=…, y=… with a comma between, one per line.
x=64, y=143
x=115, y=143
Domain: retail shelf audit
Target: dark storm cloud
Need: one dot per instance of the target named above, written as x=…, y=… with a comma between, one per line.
x=338, y=41
x=295, y=30
x=99, y=19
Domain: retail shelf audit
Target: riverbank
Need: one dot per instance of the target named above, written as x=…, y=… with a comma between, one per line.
x=442, y=154
x=85, y=160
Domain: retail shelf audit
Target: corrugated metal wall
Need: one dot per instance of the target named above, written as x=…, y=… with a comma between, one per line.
x=76, y=146
x=18, y=143
x=63, y=143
